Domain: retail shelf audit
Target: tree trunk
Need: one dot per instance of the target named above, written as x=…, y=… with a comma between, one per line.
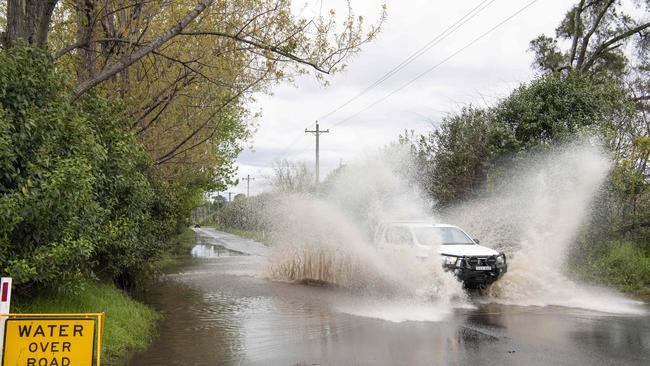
x=28, y=20
x=85, y=31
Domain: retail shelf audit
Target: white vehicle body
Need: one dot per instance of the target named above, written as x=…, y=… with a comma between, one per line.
x=471, y=263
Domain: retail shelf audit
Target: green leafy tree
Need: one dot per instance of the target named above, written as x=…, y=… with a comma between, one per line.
x=79, y=197
x=474, y=147
x=453, y=158
x=597, y=33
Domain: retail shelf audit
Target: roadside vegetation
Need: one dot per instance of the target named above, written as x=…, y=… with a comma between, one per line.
x=244, y=216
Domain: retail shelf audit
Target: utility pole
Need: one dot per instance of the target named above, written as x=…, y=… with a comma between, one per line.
x=248, y=180
x=229, y=197
x=317, y=132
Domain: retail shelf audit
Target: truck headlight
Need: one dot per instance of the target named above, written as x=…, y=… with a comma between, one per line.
x=449, y=261
x=501, y=260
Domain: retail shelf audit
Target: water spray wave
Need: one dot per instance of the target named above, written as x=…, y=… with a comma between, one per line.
x=330, y=240
x=535, y=215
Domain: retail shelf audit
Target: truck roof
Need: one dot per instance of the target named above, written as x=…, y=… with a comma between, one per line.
x=418, y=223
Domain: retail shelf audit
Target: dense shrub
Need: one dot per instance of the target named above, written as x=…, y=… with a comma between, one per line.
x=477, y=145
x=78, y=195
x=626, y=265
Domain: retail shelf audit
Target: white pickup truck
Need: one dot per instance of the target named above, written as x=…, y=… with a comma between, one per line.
x=473, y=264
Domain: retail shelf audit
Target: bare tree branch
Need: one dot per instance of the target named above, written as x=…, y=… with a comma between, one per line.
x=151, y=46
x=65, y=50
x=604, y=47
x=257, y=16
x=263, y=46
x=576, y=31
x=585, y=40
x=175, y=150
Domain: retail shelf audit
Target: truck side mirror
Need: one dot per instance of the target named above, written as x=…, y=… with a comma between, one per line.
x=477, y=241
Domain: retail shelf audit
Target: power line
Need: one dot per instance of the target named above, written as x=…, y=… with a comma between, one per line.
x=436, y=65
x=426, y=71
x=437, y=39
x=434, y=41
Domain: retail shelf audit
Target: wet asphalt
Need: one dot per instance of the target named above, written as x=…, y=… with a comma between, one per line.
x=219, y=308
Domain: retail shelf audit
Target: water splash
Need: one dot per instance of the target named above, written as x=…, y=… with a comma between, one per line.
x=319, y=243
x=331, y=239
x=535, y=215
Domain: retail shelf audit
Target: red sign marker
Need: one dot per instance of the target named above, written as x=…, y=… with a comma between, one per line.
x=5, y=291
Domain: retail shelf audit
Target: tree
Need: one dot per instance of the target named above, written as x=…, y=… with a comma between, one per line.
x=452, y=160
x=292, y=177
x=79, y=196
x=127, y=31
x=603, y=41
x=187, y=69
x=597, y=32
x=28, y=20
x=608, y=43
x=475, y=146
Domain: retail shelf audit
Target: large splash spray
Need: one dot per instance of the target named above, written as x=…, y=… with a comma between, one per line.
x=331, y=239
x=534, y=213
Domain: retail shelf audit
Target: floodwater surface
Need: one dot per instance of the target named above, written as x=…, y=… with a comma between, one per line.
x=220, y=309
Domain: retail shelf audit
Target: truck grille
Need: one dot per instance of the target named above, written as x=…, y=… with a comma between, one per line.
x=481, y=261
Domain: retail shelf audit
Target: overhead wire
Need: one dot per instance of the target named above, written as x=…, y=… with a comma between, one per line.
x=419, y=76
x=433, y=42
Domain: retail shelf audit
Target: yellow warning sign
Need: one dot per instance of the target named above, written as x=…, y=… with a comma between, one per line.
x=51, y=341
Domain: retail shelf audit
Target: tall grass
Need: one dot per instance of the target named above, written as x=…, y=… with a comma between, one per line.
x=625, y=266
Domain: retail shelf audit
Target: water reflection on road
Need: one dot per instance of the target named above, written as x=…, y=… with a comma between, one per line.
x=220, y=310
x=212, y=251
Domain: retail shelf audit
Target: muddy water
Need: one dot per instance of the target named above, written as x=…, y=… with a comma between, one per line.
x=220, y=310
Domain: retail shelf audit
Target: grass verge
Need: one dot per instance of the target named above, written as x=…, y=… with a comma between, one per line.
x=625, y=266
x=129, y=325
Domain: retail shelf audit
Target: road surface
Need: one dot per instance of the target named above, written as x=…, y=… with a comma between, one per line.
x=221, y=309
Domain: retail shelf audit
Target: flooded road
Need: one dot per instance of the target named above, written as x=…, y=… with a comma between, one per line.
x=219, y=309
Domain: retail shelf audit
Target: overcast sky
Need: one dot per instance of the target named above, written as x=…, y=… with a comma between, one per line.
x=481, y=74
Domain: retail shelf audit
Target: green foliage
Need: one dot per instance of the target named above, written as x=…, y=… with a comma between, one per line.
x=246, y=213
x=47, y=178
x=594, y=37
x=474, y=147
x=626, y=265
x=557, y=108
x=79, y=197
x=454, y=157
